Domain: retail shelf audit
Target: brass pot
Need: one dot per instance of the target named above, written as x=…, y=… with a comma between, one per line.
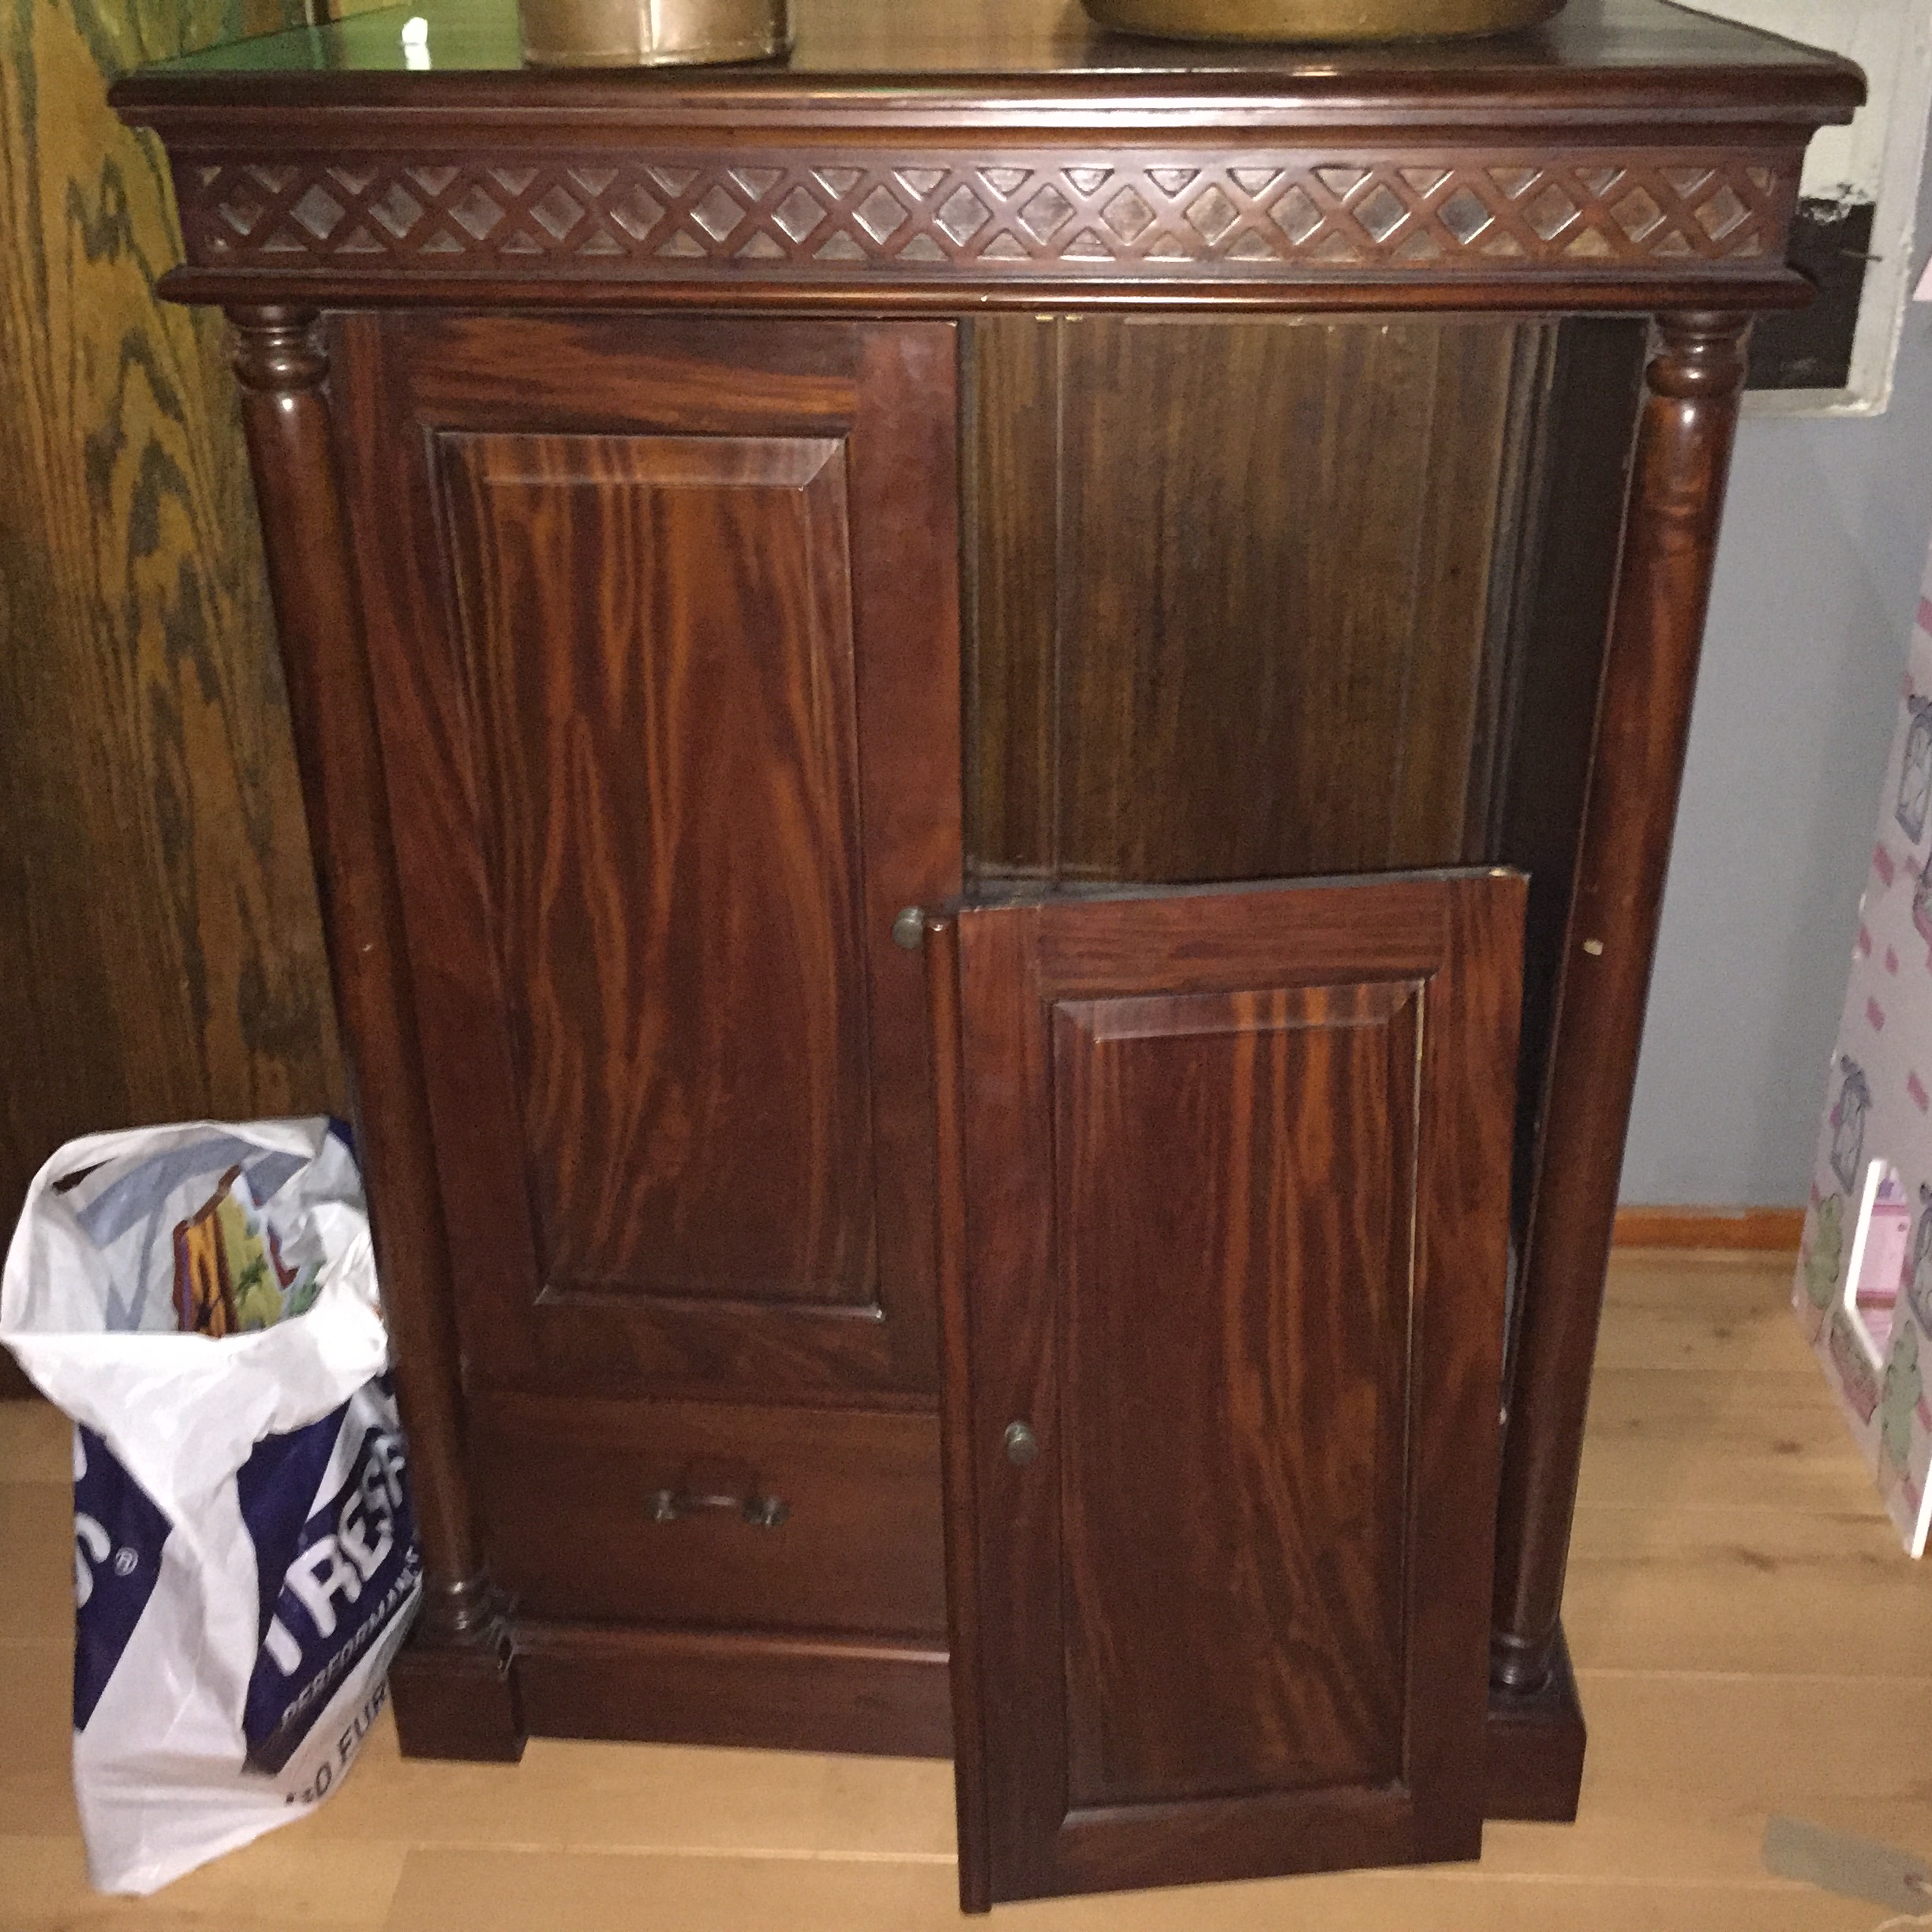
x=1317, y=19
x=652, y=33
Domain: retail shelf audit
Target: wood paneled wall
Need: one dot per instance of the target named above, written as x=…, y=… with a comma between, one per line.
x=160, y=956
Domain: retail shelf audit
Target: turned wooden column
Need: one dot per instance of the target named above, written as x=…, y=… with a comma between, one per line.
x=283, y=367
x=1694, y=380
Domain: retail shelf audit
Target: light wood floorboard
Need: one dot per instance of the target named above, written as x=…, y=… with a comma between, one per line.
x=1749, y=1639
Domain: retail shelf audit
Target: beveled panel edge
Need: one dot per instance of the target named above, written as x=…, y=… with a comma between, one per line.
x=1604, y=226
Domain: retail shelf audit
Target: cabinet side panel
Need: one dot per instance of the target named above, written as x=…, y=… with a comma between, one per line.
x=1559, y=623
x=655, y=637
x=1236, y=1192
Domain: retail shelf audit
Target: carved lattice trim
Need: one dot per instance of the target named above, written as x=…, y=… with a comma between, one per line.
x=686, y=215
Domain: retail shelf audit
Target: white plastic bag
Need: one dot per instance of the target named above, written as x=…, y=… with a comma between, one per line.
x=245, y=1554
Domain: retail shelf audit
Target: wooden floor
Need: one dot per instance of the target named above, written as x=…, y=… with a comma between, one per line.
x=1749, y=1639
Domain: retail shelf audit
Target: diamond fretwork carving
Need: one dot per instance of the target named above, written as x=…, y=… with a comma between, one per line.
x=243, y=209
x=1003, y=217
x=1296, y=215
x=1465, y=215
x=318, y=211
x=880, y=215
x=633, y=211
x=961, y=216
x=1636, y=214
x=1721, y=212
x=396, y=208
x=479, y=215
x=1550, y=212
x=1128, y=216
x=557, y=213
x=1212, y=215
x=717, y=214
x=1045, y=213
x=1381, y=212
x=798, y=214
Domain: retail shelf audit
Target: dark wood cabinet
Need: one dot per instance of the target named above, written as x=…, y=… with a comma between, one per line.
x=1209, y=544
x=1228, y=1184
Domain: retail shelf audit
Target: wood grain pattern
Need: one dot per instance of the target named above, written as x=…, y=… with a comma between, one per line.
x=1256, y=598
x=1010, y=507
x=1131, y=1065
x=657, y=641
x=1271, y=567
x=774, y=1690
x=568, y=1492
x=1236, y=1171
x=653, y=944
x=160, y=955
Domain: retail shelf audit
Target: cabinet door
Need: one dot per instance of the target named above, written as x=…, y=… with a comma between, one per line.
x=1224, y=1208
x=663, y=613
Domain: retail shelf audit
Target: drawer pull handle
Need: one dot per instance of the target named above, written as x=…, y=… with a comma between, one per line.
x=762, y=1512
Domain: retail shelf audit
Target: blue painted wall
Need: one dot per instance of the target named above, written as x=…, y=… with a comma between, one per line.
x=1825, y=541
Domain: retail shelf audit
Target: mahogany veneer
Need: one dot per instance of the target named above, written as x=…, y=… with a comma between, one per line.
x=714, y=517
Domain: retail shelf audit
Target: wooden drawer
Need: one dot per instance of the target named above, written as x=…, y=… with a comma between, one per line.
x=609, y=1510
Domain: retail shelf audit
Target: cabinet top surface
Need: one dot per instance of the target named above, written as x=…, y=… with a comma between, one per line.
x=1603, y=52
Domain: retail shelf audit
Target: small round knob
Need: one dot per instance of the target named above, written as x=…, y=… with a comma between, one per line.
x=909, y=929
x=1022, y=1444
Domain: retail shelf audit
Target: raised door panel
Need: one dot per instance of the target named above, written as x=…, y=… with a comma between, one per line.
x=1225, y=1211
x=669, y=814
x=1232, y=1531
x=664, y=620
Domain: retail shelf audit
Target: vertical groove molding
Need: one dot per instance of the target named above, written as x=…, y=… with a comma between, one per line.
x=283, y=366
x=1694, y=383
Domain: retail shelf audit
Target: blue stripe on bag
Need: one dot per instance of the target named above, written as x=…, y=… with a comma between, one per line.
x=118, y=1535
x=334, y=1572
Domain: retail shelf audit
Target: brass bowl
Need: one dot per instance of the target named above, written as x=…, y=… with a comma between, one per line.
x=1292, y=20
x=652, y=33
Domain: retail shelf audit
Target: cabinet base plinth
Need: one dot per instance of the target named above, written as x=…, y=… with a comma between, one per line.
x=1534, y=1746
x=875, y=1696
x=456, y=1699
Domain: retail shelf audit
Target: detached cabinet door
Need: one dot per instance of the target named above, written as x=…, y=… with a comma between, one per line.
x=1223, y=1240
